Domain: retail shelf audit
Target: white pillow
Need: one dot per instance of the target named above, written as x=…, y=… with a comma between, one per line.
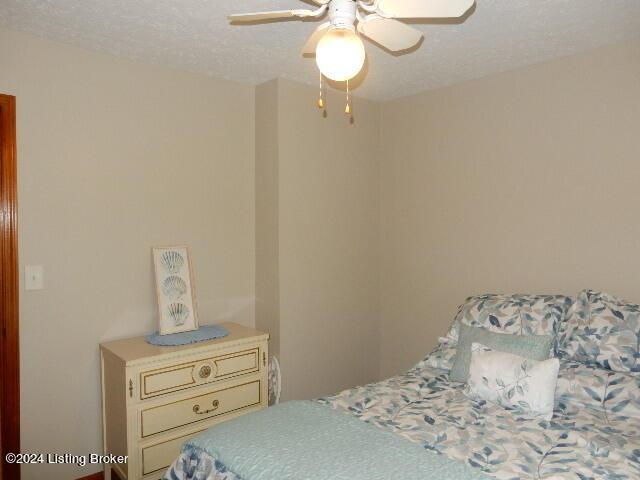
x=512, y=381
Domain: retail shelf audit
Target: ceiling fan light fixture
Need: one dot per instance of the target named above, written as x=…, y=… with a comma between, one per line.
x=340, y=54
x=339, y=50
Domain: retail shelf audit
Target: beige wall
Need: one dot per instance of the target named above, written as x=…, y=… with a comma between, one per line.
x=115, y=157
x=326, y=229
x=525, y=181
x=267, y=213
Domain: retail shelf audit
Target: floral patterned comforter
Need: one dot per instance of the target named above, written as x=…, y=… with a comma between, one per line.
x=594, y=433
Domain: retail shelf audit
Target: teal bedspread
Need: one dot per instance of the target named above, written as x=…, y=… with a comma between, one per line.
x=306, y=440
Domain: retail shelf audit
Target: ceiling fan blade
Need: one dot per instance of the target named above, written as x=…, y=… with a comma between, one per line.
x=424, y=8
x=274, y=15
x=391, y=34
x=310, y=45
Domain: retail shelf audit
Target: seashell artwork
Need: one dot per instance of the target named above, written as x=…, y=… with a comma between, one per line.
x=178, y=312
x=174, y=287
x=172, y=261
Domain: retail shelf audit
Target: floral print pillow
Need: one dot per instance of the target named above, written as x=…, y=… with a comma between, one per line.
x=512, y=381
x=501, y=313
x=517, y=314
x=602, y=330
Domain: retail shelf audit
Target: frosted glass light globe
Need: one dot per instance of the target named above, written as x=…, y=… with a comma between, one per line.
x=340, y=54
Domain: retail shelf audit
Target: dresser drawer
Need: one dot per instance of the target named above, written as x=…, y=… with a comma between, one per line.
x=198, y=372
x=158, y=457
x=184, y=412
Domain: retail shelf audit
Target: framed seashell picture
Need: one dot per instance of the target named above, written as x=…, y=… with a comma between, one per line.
x=174, y=286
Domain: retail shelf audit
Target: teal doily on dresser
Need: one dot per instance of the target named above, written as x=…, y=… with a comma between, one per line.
x=206, y=332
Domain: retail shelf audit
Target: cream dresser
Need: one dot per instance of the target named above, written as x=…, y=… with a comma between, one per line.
x=155, y=398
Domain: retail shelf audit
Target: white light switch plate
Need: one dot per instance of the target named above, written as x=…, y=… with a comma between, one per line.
x=33, y=277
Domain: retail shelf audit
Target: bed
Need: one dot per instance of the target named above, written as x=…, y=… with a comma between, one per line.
x=594, y=432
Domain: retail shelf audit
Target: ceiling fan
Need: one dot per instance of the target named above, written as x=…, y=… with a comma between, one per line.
x=339, y=50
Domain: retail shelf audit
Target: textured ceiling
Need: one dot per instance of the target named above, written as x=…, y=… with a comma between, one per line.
x=194, y=35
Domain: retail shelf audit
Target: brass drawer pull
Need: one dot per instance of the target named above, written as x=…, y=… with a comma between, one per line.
x=215, y=403
x=205, y=371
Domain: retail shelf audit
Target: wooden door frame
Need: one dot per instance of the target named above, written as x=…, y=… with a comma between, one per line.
x=9, y=339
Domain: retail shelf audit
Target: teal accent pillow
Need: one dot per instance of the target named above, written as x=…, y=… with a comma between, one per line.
x=534, y=347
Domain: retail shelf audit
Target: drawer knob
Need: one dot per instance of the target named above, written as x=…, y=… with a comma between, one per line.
x=215, y=404
x=205, y=371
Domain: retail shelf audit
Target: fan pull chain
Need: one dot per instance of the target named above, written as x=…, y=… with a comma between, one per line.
x=347, y=108
x=320, y=98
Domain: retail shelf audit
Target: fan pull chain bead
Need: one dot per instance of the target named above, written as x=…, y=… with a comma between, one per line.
x=347, y=108
x=320, y=98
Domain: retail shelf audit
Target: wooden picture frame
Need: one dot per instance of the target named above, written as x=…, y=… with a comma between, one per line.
x=177, y=310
